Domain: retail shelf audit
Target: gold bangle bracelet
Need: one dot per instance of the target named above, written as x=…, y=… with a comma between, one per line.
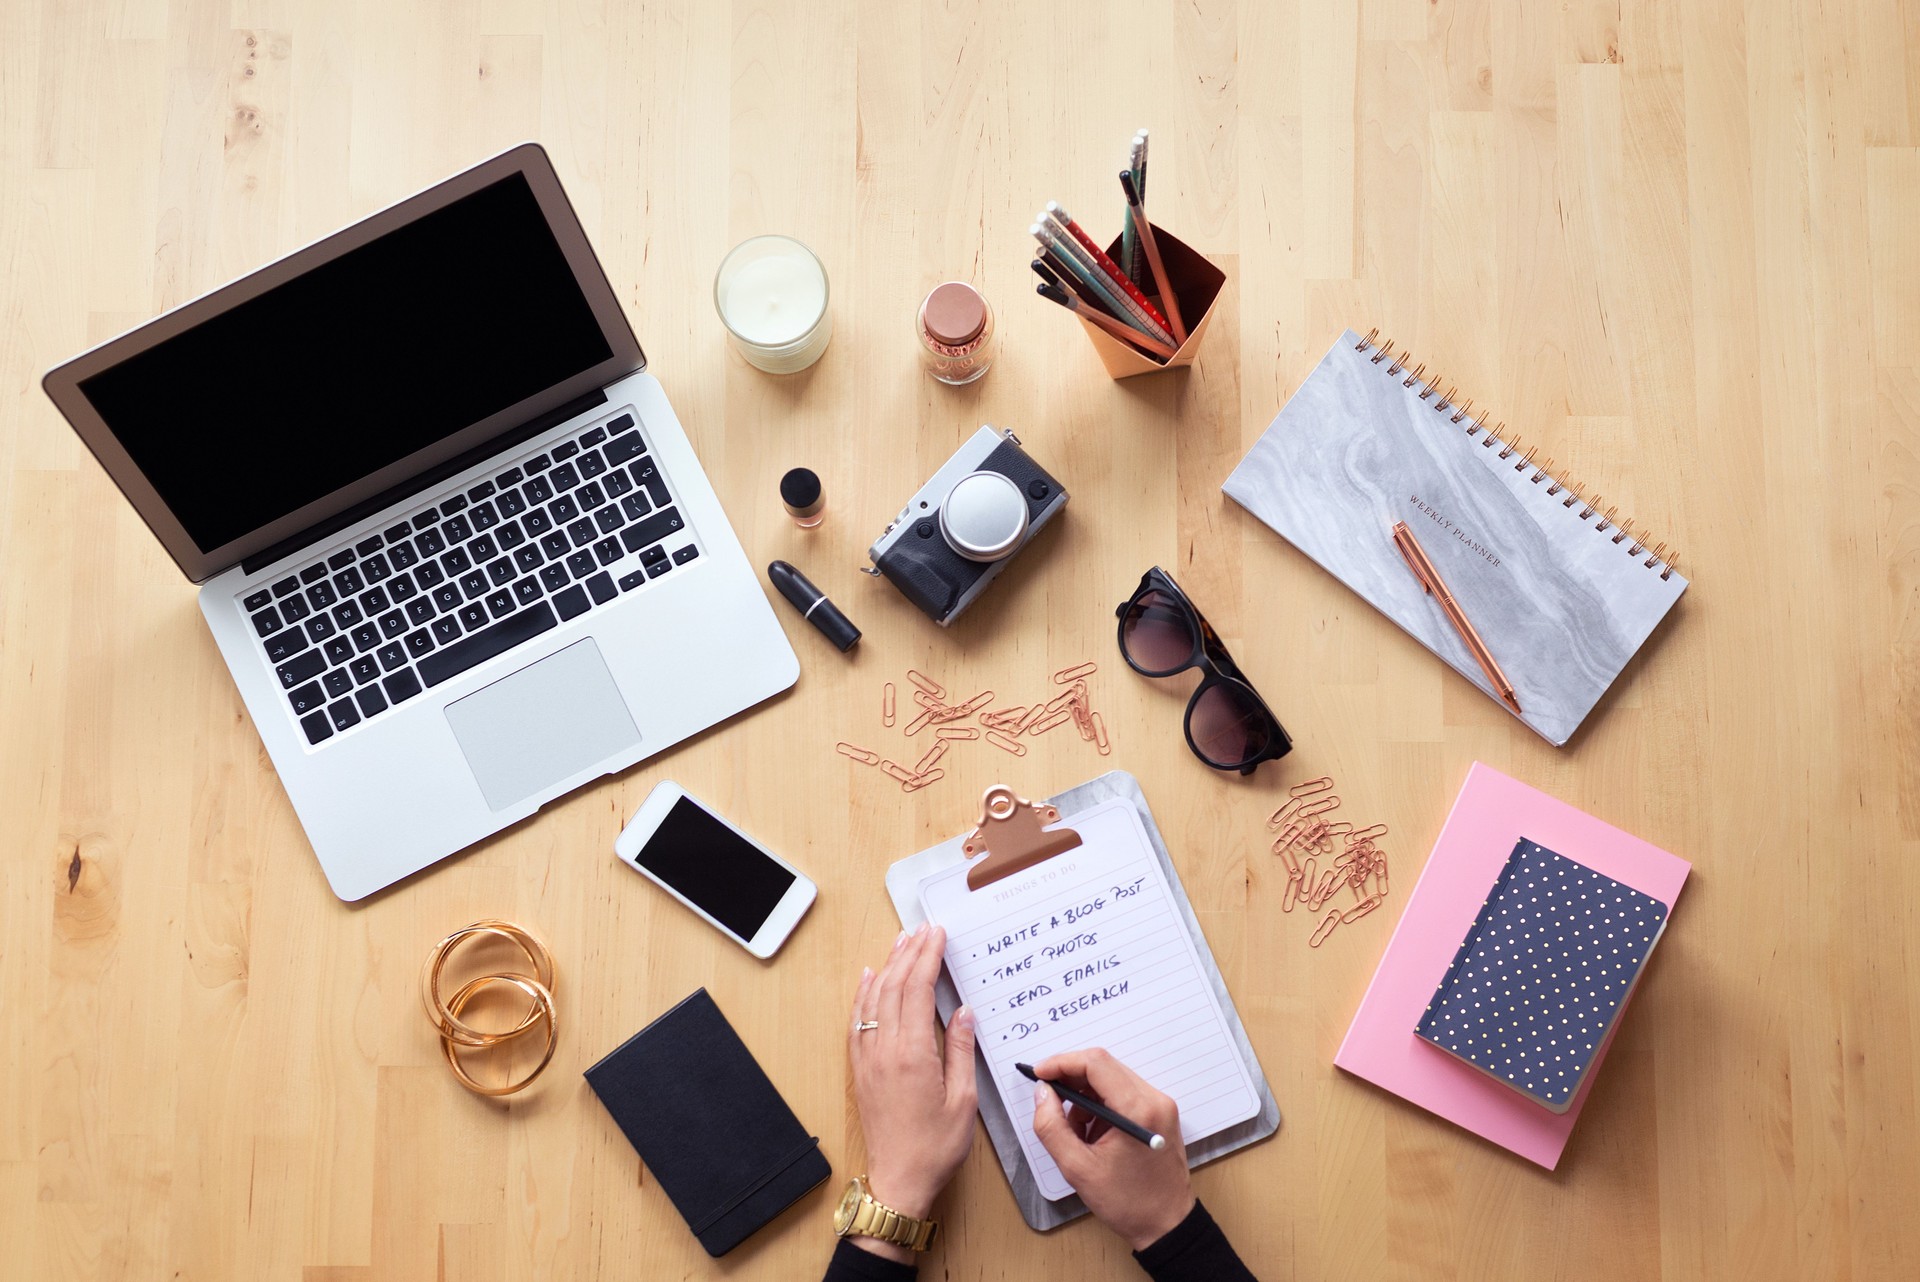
x=447, y=1020
x=542, y=1011
x=456, y=1035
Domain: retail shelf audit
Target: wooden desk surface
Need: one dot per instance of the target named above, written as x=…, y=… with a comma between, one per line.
x=1674, y=244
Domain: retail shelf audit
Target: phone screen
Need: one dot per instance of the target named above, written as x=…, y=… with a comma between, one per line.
x=712, y=865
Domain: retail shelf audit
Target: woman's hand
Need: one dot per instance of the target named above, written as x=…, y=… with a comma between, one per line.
x=1138, y=1193
x=916, y=1103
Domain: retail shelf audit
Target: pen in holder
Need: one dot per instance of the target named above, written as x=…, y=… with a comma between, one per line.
x=1195, y=282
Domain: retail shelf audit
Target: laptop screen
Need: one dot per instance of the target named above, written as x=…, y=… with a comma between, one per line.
x=354, y=365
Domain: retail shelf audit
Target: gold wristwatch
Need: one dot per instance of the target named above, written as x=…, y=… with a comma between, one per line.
x=860, y=1216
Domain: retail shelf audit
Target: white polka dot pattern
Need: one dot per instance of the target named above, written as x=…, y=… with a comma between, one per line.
x=1539, y=979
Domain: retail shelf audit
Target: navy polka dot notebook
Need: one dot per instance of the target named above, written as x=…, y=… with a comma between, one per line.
x=1541, y=977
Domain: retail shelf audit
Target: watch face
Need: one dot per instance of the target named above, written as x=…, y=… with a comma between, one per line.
x=849, y=1204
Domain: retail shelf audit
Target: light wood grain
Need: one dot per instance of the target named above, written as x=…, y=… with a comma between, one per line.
x=1672, y=242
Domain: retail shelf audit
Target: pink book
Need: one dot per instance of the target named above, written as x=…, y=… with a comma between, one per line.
x=1491, y=813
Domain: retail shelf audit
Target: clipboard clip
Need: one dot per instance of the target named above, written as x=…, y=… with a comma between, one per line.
x=1013, y=833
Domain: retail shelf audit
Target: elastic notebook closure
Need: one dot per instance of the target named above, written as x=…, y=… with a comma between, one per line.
x=772, y=1173
x=1658, y=556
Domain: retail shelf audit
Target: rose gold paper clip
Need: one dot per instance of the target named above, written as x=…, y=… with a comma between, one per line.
x=1287, y=857
x=1299, y=794
x=1296, y=814
x=1325, y=928
x=974, y=704
x=1361, y=909
x=1059, y=718
x=1000, y=740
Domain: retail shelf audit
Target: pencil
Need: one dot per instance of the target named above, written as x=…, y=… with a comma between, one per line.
x=1134, y=260
x=1153, y=256
x=1055, y=293
x=1044, y=268
x=1151, y=1139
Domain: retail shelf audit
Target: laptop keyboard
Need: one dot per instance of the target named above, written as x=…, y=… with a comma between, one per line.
x=365, y=628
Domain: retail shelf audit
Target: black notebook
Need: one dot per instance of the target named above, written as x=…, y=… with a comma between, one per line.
x=696, y=1106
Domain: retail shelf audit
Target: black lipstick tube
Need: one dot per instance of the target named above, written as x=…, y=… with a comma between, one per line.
x=813, y=605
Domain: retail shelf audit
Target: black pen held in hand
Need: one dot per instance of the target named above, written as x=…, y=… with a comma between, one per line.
x=813, y=605
x=1154, y=1141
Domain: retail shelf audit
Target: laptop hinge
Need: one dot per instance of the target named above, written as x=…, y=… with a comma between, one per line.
x=424, y=480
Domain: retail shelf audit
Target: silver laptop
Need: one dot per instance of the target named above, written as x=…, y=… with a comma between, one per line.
x=452, y=541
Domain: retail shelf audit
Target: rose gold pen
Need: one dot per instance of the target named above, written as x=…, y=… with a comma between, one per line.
x=1434, y=585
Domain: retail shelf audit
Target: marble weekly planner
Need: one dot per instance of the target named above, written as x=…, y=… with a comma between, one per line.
x=1558, y=601
x=1087, y=949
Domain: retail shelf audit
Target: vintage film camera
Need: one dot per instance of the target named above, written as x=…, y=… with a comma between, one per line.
x=965, y=524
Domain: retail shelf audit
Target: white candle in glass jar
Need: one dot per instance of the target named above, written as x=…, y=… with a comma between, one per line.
x=771, y=293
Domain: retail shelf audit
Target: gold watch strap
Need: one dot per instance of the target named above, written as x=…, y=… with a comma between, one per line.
x=875, y=1220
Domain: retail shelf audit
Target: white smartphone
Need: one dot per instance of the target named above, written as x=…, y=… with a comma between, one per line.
x=744, y=890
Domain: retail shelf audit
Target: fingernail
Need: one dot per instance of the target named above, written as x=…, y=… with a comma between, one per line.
x=1039, y=1094
x=901, y=939
x=920, y=930
x=964, y=1016
x=866, y=973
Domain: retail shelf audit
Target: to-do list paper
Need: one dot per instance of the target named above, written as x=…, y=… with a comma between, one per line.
x=1085, y=950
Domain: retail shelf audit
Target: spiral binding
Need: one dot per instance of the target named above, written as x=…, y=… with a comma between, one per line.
x=1557, y=484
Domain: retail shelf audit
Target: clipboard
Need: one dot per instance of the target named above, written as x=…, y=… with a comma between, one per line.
x=903, y=887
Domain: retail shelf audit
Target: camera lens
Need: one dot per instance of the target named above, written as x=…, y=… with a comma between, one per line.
x=984, y=516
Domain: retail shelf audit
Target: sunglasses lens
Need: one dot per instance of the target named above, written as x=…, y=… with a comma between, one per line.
x=1156, y=633
x=1229, y=726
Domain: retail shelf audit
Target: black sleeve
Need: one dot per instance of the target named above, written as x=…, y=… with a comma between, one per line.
x=1195, y=1250
x=851, y=1264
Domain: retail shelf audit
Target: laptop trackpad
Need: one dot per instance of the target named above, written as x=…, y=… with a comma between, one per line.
x=551, y=719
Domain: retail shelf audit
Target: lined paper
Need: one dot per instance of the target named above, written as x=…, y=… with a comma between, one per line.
x=1085, y=950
